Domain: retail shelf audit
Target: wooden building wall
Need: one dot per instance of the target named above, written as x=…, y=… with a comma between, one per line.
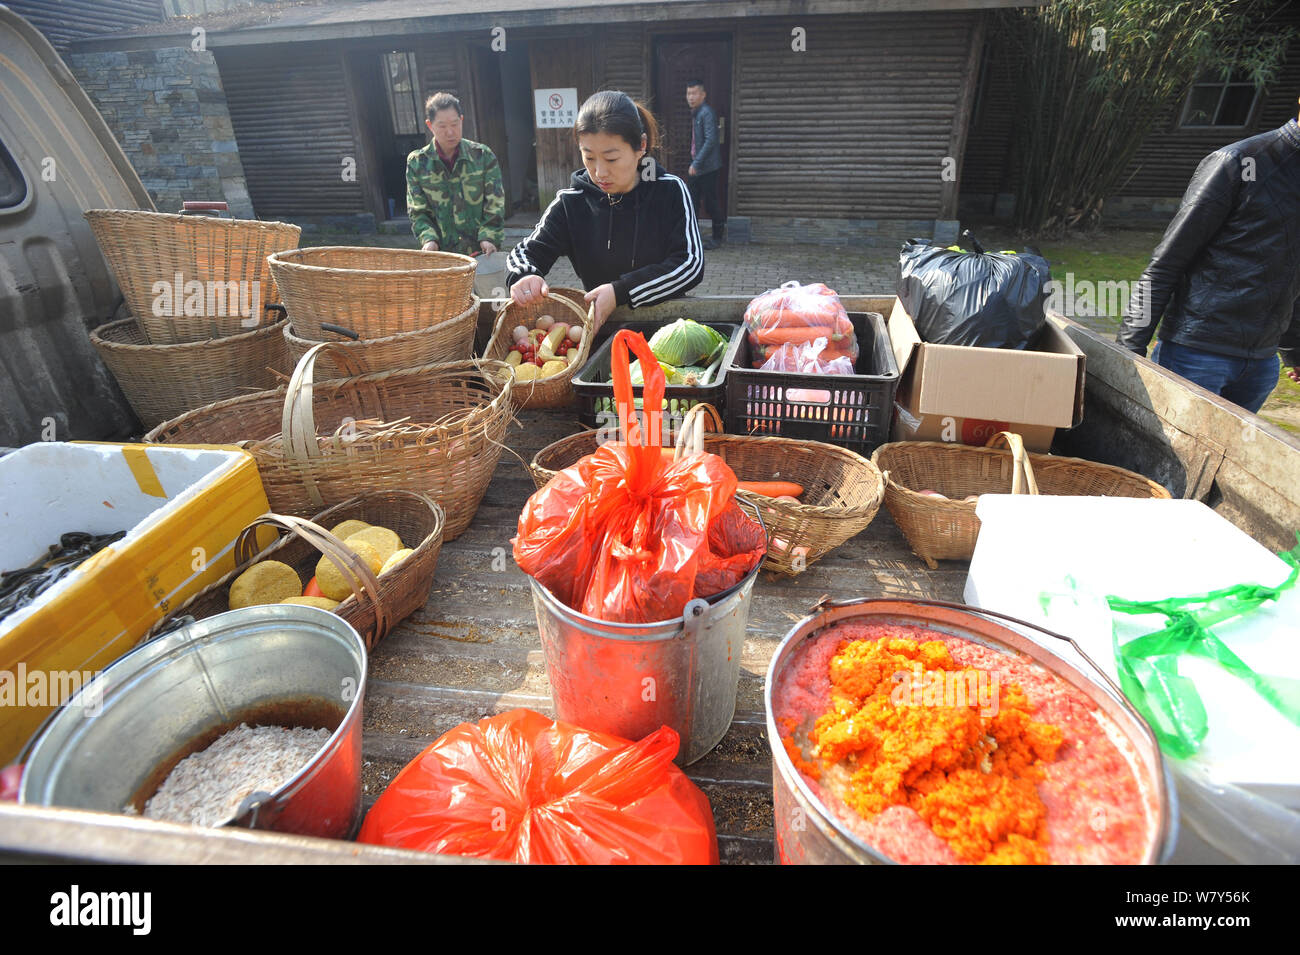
x=62, y=21
x=857, y=126
x=293, y=121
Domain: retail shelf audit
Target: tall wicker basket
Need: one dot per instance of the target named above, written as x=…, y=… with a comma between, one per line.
x=436, y=430
x=144, y=248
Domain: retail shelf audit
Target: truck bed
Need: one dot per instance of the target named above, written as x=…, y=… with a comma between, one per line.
x=474, y=650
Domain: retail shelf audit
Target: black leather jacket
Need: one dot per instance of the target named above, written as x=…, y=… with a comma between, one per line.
x=1226, y=275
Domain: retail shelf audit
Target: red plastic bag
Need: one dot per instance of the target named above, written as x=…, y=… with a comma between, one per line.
x=807, y=359
x=523, y=788
x=624, y=535
x=797, y=314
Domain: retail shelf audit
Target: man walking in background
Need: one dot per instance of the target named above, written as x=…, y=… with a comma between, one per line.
x=454, y=194
x=706, y=160
x=1226, y=276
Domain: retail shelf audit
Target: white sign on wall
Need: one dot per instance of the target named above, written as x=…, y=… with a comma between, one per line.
x=556, y=109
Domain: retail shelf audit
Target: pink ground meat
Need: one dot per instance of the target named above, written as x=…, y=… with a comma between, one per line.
x=1097, y=810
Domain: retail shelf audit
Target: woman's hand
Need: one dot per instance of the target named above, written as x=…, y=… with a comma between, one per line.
x=603, y=302
x=529, y=290
x=1293, y=374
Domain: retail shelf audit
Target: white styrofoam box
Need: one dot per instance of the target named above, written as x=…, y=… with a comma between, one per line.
x=1078, y=550
x=50, y=488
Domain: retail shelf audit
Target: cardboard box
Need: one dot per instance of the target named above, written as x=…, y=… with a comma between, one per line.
x=182, y=509
x=966, y=395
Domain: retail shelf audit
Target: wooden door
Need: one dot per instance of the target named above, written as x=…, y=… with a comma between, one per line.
x=489, y=113
x=558, y=64
x=678, y=61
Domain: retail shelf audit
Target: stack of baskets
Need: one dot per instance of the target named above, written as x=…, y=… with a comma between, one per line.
x=204, y=325
x=436, y=430
x=842, y=490
x=946, y=528
x=388, y=308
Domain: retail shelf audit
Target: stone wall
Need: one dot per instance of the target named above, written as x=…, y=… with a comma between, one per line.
x=167, y=109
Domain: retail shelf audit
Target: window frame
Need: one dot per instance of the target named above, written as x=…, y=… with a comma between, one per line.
x=1223, y=86
x=412, y=75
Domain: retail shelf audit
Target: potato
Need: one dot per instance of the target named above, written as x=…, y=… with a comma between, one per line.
x=397, y=557
x=333, y=580
x=324, y=603
x=348, y=528
x=266, y=582
x=554, y=367
x=380, y=538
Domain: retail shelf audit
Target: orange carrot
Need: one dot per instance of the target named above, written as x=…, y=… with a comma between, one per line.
x=771, y=488
x=777, y=336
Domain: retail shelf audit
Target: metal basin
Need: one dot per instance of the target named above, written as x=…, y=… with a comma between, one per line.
x=113, y=743
x=809, y=833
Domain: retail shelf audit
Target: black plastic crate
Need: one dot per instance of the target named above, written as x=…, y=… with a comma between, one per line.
x=596, y=395
x=853, y=411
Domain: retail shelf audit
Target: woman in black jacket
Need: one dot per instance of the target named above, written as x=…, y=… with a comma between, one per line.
x=626, y=224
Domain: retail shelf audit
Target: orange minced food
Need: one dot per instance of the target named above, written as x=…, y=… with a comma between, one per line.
x=968, y=763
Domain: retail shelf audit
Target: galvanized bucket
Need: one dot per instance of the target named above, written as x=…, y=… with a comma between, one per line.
x=107, y=747
x=629, y=679
x=490, y=275
x=809, y=833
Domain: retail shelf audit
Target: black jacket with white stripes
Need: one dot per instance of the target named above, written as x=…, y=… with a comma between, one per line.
x=647, y=244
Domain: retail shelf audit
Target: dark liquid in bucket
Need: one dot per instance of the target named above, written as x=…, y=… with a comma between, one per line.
x=304, y=712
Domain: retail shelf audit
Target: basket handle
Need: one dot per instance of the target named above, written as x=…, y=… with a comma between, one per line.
x=690, y=439
x=297, y=422
x=1022, y=472
x=357, y=573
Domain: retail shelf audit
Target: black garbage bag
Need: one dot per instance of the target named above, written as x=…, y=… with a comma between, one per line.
x=988, y=299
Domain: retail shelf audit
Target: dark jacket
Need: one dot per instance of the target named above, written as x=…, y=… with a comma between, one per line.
x=707, y=156
x=1226, y=275
x=647, y=244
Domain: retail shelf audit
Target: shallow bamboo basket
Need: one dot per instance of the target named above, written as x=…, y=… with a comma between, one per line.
x=939, y=529
x=378, y=603
x=557, y=390
x=436, y=430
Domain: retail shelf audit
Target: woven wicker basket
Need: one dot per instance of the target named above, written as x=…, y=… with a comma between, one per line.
x=147, y=247
x=436, y=429
x=555, y=391
x=377, y=604
x=946, y=529
x=452, y=340
x=163, y=381
x=842, y=490
x=374, y=292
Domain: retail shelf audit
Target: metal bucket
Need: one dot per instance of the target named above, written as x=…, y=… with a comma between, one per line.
x=113, y=741
x=490, y=275
x=809, y=833
x=629, y=679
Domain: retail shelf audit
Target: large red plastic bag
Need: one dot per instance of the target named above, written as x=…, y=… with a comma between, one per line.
x=523, y=788
x=624, y=534
x=797, y=314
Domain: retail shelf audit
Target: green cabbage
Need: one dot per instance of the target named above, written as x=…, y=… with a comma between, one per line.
x=685, y=342
x=670, y=373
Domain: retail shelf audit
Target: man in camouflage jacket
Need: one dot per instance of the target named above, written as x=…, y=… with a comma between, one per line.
x=454, y=194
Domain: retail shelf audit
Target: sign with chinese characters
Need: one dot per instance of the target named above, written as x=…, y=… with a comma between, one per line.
x=556, y=109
